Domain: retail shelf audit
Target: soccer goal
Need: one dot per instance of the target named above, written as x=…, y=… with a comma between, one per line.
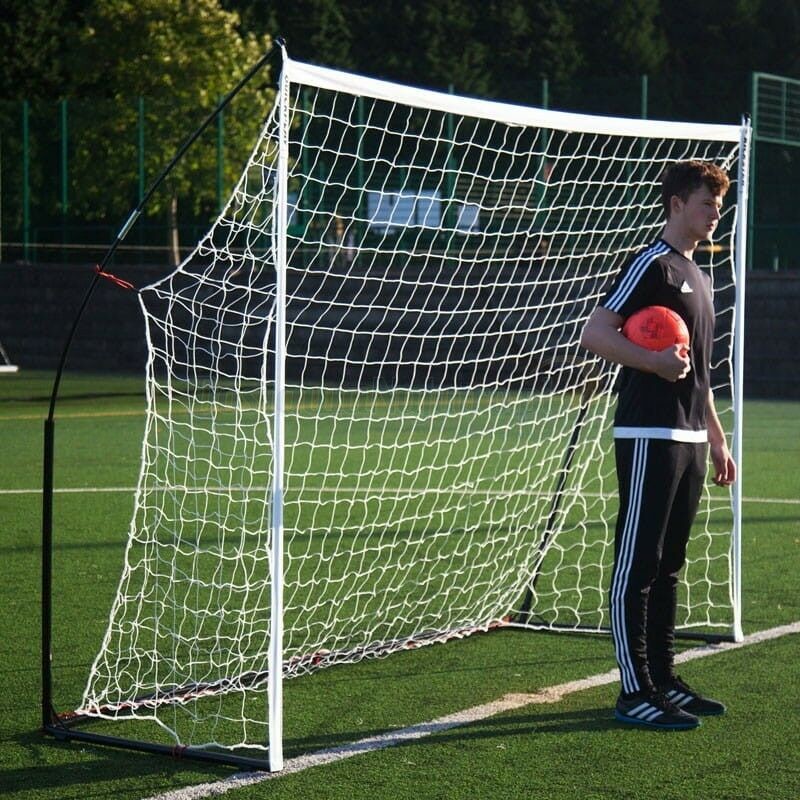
x=370, y=425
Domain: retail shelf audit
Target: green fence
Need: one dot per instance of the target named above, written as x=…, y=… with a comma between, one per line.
x=71, y=170
x=774, y=213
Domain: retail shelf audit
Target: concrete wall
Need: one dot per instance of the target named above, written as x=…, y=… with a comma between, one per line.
x=39, y=302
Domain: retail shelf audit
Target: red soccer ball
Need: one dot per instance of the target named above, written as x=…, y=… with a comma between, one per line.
x=656, y=328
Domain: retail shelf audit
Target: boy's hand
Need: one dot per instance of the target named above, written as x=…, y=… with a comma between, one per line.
x=672, y=364
x=724, y=465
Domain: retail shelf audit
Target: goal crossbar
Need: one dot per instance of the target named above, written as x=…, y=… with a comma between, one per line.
x=333, y=80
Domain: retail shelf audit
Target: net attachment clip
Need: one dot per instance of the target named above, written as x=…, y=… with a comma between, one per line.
x=123, y=284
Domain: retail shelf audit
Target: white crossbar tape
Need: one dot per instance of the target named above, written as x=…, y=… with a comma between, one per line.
x=310, y=75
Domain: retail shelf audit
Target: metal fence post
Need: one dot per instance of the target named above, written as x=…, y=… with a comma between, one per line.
x=751, y=234
x=64, y=175
x=542, y=165
x=140, y=170
x=362, y=132
x=450, y=214
x=220, y=157
x=64, y=167
x=644, y=96
x=26, y=189
x=140, y=147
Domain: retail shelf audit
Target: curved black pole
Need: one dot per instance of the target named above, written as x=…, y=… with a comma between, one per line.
x=48, y=714
x=143, y=202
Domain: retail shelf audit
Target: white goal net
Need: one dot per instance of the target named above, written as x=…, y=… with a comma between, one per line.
x=370, y=425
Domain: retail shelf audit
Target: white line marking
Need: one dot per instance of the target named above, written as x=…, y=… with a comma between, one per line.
x=352, y=490
x=510, y=702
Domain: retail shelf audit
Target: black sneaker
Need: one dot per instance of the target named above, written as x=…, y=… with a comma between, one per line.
x=653, y=710
x=687, y=699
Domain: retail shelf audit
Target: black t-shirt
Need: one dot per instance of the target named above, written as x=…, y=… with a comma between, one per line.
x=648, y=406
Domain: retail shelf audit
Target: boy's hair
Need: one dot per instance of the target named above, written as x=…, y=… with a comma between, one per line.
x=684, y=177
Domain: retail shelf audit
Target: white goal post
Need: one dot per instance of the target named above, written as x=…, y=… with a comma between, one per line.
x=369, y=423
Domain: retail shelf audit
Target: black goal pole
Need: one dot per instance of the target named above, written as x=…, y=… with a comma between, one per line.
x=555, y=509
x=49, y=715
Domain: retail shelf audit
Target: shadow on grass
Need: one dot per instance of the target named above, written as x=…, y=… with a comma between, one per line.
x=43, y=397
x=593, y=662
x=53, y=764
x=591, y=720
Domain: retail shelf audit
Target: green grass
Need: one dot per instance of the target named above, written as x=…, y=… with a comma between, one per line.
x=570, y=749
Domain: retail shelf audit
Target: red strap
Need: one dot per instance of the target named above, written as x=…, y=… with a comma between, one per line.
x=113, y=278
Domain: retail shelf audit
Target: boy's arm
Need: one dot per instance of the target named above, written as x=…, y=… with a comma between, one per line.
x=721, y=458
x=602, y=336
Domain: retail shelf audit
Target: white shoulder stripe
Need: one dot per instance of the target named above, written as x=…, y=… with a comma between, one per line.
x=634, y=275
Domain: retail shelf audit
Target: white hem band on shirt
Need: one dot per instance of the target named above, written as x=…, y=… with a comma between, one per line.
x=671, y=434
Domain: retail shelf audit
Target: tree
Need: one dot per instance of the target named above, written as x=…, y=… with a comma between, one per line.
x=181, y=56
x=33, y=37
x=621, y=37
x=526, y=42
x=711, y=55
x=449, y=49
x=411, y=42
x=316, y=31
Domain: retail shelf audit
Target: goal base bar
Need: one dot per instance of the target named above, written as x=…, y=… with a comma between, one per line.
x=703, y=636
x=174, y=751
x=8, y=368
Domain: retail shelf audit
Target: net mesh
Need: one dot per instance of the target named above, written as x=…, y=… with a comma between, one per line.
x=448, y=453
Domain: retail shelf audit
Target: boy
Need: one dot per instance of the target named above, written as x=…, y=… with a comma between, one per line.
x=665, y=424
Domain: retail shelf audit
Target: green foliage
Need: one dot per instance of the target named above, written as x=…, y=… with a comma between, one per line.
x=697, y=54
x=181, y=56
x=622, y=38
x=710, y=59
x=33, y=37
x=527, y=43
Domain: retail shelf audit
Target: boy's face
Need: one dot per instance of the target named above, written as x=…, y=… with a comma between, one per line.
x=699, y=215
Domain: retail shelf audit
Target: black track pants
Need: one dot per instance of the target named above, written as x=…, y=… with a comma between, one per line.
x=660, y=484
